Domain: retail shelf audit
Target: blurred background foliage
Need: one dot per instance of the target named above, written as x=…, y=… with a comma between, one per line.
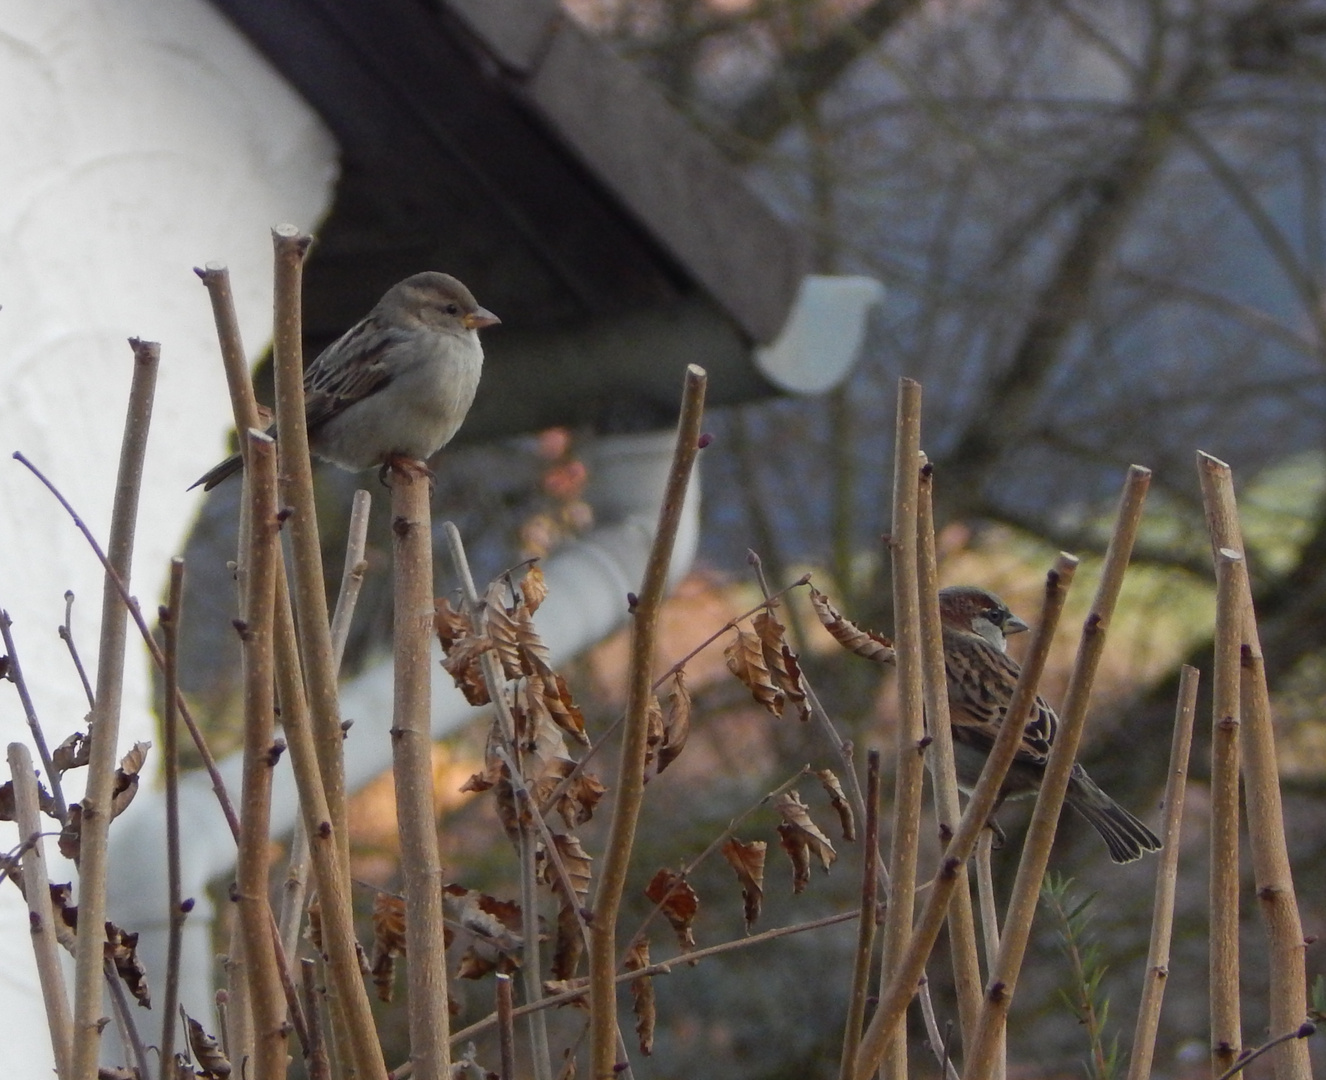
x=1102, y=227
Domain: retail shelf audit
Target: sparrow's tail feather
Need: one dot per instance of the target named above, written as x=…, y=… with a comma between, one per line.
x=217, y=473
x=1125, y=836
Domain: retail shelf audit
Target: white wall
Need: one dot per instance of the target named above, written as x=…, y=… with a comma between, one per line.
x=138, y=139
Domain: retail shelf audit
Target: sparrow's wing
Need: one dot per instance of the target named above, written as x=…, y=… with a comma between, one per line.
x=350, y=369
x=980, y=686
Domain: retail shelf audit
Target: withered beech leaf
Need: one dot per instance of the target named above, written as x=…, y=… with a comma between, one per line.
x=678, y=901
x=388, y=941
x=504, y=631
x=642, y=991
x=534, y=656
x=66, y=914
x=71, y=836
x=781, y=660
x=576, y=804
x=570, y=943
x=533, y=588
x=565, y=713
x=747, y=859
x=865, y=643
x=839, y=801
x=677, y=724
x=801, y=836
x=121, y=949
x=570, y=936
x=73, y=753
x=8, y=807
x=212, y=1062
x=552, y=987
x=450, y=625
x=495, y=920
x=745, y=659
x=126, y=778
x=493, y=766
x=313, y=932
x=793, y=841
x=577, y=863
x=462, y=664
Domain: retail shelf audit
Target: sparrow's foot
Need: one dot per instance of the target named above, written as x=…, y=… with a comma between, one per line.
x=998, y=837
x=407, y=466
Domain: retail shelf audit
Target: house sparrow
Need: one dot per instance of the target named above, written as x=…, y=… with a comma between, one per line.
x=398, y=383
x=981, y=678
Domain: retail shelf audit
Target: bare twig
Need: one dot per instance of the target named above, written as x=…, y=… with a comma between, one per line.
x=169, y=617
x=296, y=471
x=256, y=638
x=14, y=672
x=352, y=578
x=36, y=890
x=66, y=633
x=1304, y=1030
x=865, y=929
x=662, y=968
x=910, y=967
x=506, y=1031
x=910, y=755
x=105, y=728
x=1226, y=1025
x=1270, y=857
x=962, y=930
x=412, y=769
x=315, y=1054
x=124, y=1018
x=200, y=742
x=630, y=780
x=1167, y=876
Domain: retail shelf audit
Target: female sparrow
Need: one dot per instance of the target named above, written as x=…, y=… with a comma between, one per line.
x=398, y=383
x=981, y=678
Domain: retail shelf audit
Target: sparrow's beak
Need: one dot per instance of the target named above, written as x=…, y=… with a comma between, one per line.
x=1014, y=625
x=479, y=318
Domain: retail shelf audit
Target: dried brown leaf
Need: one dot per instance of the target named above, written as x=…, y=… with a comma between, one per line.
x=677, y=725
x=570, y=944
x=800, y=837
x=497, y=921
x=793, y=841
x=642, y=991
x=464, y=666
x=314, y=929
x=578, y=866
x=839, y=801
x=503, y=629
x=66, y=914
x=781, y=660
x=70, y=839
x=212, y=1062
x=533, y=588
x=388, y=941
x=73, y=753
x=565, y=713
x=8, y=807
x=679, y=903
x=745, y=659
x=534, y=656
x=865, y=643
x=121, y=949
x=126, y=778
x=747, y=859
x=552, y=987
x=451, y=625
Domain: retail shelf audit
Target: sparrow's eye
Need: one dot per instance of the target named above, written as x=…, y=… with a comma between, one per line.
x=996, y=615
x=452, y=309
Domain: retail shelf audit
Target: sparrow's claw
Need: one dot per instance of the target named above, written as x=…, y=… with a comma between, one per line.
x=409, y=466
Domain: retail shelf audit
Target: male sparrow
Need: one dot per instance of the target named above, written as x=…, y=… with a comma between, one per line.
x=981, y=677
x=398, y=383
